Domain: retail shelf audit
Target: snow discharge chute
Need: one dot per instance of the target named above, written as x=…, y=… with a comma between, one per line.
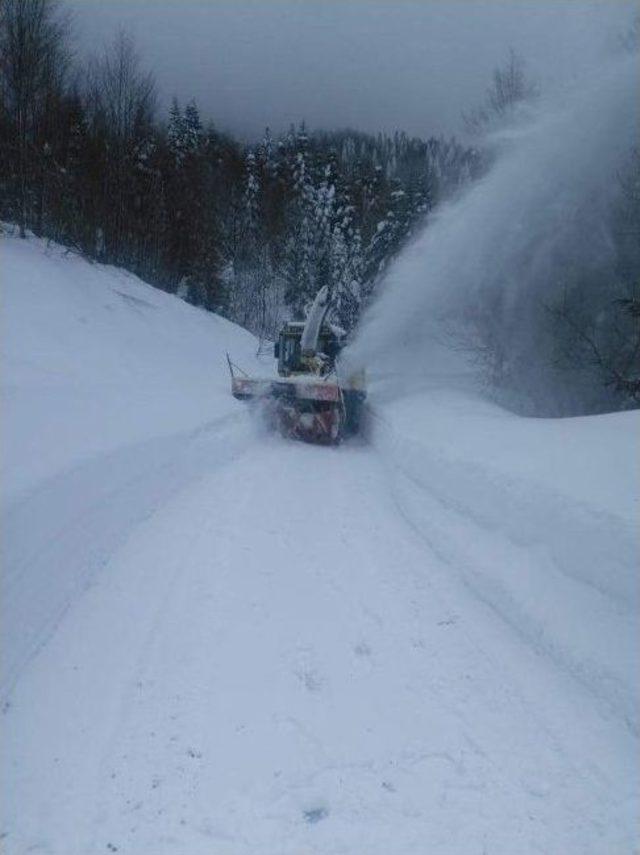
x=313, y=324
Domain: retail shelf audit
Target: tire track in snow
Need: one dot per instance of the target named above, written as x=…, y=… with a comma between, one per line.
x=292, y=671
x=470, y=538
x=56, y=540
x=263, y=566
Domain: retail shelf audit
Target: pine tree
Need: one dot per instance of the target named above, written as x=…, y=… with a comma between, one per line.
x=177, y=133
x=346, y=264
x=323, y=201
x=298, y=262
x=192, y=128
x=251, y=207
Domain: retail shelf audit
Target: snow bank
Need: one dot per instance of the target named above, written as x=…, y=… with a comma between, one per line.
x=547, y=523
x=93, y=359
x=115, y=395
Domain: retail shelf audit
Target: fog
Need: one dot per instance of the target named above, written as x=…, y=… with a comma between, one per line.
x=362, y=64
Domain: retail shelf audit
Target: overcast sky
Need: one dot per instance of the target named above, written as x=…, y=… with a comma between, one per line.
x=368, y=64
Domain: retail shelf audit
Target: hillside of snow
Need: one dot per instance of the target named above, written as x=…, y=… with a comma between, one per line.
x=217, y=641
x=102, y=360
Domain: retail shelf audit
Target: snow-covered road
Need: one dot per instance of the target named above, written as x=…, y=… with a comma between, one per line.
x=219, y=642
x=272, y=660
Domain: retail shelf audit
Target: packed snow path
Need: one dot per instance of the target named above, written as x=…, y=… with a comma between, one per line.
x=272, y=660
x=217, y=642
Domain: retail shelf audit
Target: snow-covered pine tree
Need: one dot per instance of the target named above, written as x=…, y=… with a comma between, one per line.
x=248, y=280
x=176, y=133
x=192, y=128
x=251, y=212
x=323, y=216
x=346, y=269
x=184, y=131
x=299, y=273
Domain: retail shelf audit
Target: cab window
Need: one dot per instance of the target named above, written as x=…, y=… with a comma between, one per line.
x=290, y=349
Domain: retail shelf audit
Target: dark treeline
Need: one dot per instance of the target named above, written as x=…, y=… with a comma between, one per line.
x=249, y=231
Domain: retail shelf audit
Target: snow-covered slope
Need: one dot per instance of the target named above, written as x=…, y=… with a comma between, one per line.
x=219, y=642
x=93, y=358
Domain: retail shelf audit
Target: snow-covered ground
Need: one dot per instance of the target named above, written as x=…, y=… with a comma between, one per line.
x=216, y=641
x=94, y=359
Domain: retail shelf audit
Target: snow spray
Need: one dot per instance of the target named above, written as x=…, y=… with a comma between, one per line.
x=543, y=202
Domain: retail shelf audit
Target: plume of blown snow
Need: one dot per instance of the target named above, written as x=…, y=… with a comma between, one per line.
x=542, y=205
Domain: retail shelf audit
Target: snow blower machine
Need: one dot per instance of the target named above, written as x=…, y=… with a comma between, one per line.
x=309, y=400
